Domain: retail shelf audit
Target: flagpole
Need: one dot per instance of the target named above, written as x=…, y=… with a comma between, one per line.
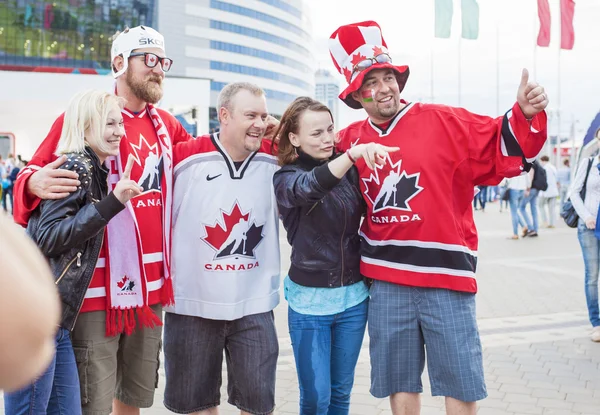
x=497, y=69
x=558, y=111
x=572, y=155
x=535, y=19
x=535, y=60
x=556, y=161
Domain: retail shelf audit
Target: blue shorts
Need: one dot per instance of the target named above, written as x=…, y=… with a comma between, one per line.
x=403, y=321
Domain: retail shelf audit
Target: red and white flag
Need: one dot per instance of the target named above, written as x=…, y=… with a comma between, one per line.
x=567, y=31
x=543, y=38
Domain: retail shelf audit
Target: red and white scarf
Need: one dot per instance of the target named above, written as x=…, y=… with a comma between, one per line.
x=124, y=254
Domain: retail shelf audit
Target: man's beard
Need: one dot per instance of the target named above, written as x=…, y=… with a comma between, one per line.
x=388, y=112
x=145, y=90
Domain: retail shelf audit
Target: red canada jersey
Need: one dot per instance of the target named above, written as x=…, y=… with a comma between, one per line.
x=419, y=229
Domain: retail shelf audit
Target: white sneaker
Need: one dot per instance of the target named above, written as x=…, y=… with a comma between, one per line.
x=596, y=334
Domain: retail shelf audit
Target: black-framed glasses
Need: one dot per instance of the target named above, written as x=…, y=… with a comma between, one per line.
x=152, y=59
x=368, y=62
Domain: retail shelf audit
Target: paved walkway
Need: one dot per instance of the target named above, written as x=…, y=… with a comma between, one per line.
x=532, y=318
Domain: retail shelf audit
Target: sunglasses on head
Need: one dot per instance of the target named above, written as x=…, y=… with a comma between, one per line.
x=368, y=62
x=152, y=59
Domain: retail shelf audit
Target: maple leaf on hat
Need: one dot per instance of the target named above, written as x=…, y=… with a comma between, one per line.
x=377, y=51
x=358, y=58
x=347, y=73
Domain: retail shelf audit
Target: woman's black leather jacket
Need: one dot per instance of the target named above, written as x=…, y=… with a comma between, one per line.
x=321, y=215
x=70, y=231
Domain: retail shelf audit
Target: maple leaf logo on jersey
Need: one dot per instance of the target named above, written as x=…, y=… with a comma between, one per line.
x=395, y=190
x=235, y=235
x=152, y=164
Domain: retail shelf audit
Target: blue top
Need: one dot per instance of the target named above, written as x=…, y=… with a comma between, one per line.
x=563, y=176
x=317, y=301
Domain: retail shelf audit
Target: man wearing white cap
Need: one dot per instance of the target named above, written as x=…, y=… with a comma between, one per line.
x=419, y=241
x=117, y=336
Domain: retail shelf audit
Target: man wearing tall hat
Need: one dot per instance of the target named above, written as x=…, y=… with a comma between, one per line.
x=419, y=238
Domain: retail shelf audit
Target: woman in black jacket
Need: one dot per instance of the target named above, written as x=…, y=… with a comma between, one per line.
x=69, y=232
x=321, y=206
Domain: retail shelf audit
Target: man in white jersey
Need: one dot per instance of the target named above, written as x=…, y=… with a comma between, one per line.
x=225, y=263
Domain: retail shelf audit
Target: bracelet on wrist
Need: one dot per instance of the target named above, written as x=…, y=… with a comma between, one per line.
x=352, y=159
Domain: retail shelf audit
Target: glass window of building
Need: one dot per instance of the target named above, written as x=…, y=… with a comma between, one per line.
x=74, y=34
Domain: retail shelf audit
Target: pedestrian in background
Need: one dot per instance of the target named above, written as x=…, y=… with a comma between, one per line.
x=516, y=188
x=547, y=198
x=588, y=232
x=563, y=176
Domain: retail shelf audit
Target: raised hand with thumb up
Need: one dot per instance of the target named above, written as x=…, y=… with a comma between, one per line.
x=531, y=96
x=126, y=189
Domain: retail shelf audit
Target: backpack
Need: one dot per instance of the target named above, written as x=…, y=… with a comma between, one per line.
x=13, y=174
x=540, y=179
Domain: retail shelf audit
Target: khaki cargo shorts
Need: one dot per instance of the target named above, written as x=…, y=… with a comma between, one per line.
x=122, y=367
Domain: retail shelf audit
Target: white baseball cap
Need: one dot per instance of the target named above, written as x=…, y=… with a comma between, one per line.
x=131, y=39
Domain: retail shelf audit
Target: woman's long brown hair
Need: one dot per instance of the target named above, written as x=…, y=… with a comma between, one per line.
x=289, y=123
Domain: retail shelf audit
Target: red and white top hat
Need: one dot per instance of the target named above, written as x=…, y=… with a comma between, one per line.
x=354, y=43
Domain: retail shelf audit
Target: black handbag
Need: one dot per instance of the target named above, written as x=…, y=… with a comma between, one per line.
x=567, y=211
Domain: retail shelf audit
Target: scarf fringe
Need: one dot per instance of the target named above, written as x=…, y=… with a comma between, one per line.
x=125, y=321
x=111, y=323
x=167, y=297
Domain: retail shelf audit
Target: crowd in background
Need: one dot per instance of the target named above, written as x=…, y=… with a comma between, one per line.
x=9, y=169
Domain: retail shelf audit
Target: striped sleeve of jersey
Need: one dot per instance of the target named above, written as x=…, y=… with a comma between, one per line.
x=497, y=148
x=186, y=149
x=510, y=148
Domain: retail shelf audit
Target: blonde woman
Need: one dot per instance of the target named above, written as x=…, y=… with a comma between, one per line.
x=70, y=233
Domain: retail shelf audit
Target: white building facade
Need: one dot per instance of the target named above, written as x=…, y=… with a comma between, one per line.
x=212, y=43
x=327, y=91
x=265, y=42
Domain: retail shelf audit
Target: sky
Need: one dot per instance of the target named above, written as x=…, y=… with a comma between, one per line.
x=490, y=67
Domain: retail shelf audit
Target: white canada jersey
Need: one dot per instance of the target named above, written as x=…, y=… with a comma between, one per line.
x=225, y=262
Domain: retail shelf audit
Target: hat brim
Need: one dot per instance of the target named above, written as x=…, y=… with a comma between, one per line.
x=401, y=73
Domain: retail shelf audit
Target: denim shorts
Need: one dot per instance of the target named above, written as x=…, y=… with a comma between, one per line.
x=405, y=321
x=194, y=349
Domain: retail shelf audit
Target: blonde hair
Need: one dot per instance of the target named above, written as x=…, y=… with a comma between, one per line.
x=85, y=121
